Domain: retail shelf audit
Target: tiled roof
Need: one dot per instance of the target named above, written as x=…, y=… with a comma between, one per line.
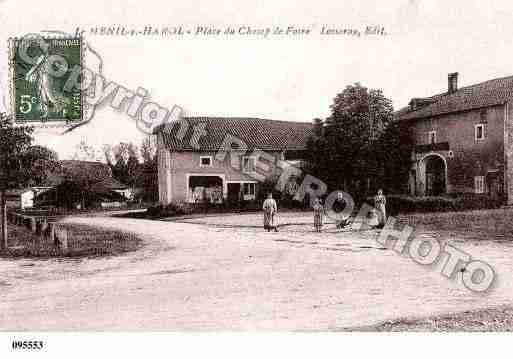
x=267, y=135
x=111, y=183
x=486, y=94
x=67, y=168
x=76, y=165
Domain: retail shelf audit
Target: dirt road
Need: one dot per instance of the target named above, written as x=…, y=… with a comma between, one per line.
x=219, y=274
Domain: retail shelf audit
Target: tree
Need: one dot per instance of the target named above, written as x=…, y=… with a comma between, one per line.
x=42, y=161
x=85, y=175
x=342, y=151
x=148, y=171
x=148, y=149
x=20, y=164
x=132, y=167
x=85, y=152
x=117, y=160
x=394, y=152
x=108, y=154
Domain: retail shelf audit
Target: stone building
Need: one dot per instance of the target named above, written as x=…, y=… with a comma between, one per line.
x=462, y=140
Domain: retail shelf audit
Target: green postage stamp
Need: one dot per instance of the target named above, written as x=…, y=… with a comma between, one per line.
x=41, y=71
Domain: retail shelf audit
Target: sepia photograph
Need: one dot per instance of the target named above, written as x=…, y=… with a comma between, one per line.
x=204, y=178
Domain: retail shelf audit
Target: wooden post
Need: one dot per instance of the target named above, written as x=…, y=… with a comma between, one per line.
x=33, y=224
x=43, y=227
x=38, y=227
x=51, y=234
x=35, y=230
x=3, y=226
x=65, y=240
x=62, y=234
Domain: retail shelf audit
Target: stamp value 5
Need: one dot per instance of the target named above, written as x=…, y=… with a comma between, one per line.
x=40, y=69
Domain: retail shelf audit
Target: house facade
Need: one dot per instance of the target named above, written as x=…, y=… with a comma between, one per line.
x=462, y=140
x=216, y=159
x=23, y=198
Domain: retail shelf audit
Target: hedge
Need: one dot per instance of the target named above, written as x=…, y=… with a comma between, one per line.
x=406, y=204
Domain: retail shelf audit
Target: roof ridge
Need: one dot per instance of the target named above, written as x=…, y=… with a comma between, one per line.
x=442, y=95
x=484, y=82
x=265, y=134
x=483, y=94
x=243, y=118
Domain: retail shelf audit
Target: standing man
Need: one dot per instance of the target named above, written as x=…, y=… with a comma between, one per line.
x=270, y=208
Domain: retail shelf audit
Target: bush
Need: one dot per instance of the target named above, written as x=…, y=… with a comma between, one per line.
x=155, y=211
x=405, y=204
x=179, y=208
x=182, y=208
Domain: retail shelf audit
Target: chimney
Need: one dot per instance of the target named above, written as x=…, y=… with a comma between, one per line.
x=453, y=82
x=414, y=104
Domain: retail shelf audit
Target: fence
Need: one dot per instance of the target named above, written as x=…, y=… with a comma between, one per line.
x=44, y=228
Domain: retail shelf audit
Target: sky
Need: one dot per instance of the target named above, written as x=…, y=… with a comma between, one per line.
x=287, y=78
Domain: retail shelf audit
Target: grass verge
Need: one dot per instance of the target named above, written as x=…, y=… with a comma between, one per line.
x=83, y=241
x=499, y=319
x=491, y=224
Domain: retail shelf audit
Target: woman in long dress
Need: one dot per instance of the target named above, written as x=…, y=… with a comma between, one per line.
x=318, y=215
x=380, y=202
x=270, y=208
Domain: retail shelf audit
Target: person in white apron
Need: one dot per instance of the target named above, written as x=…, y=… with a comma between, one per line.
x=380, y=202
x=270, y=208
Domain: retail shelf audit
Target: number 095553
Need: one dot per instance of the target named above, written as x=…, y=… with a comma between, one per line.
x=27, y=344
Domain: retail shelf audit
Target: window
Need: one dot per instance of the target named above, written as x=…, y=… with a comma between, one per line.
x=249, y=189
x=479, y=184
x=479, y=132
x=248, y=164
x=432, y=137
x=205, y=161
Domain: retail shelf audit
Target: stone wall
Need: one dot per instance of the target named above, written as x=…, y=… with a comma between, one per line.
x=465, y=157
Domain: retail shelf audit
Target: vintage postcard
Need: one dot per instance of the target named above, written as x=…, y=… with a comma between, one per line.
x=295, y=170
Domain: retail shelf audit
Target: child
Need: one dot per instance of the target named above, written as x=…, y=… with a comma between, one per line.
x=318, y=215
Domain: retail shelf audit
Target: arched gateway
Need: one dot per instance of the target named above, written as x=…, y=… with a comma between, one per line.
x=433, y=175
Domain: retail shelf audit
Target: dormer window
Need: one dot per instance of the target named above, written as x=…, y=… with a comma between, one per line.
x=432, y=137
x=479, y=132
